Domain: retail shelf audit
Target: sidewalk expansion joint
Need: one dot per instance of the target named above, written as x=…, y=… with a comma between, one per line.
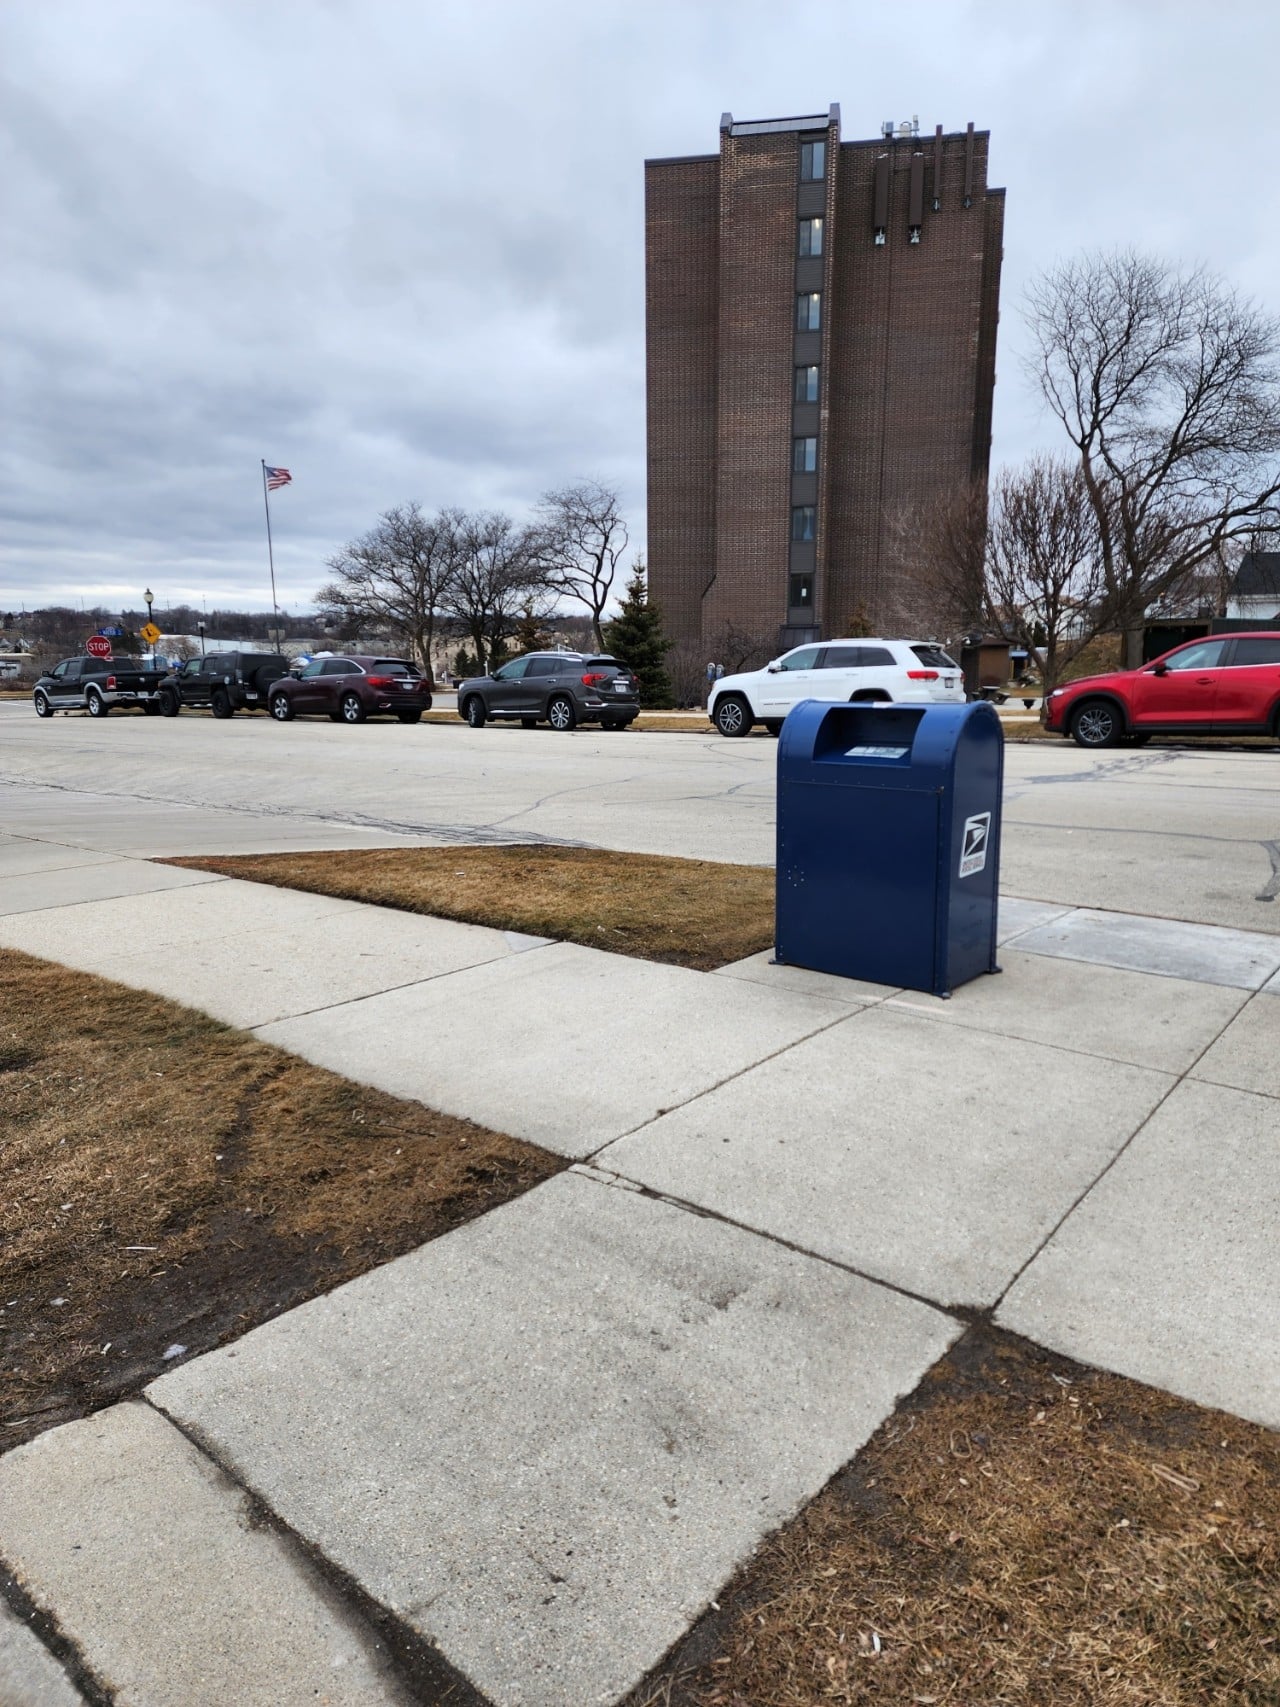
x=413, y=1661
x=47, y=1631
x=967, y=1313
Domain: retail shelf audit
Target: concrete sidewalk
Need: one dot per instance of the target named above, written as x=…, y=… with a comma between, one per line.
x=543, y=1442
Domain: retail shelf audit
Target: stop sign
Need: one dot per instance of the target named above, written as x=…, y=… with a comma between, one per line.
x=98, y=646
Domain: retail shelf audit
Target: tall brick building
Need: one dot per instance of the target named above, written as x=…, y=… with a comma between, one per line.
x=821, y=338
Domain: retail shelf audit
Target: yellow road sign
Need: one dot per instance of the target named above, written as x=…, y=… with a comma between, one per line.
x=150, y=633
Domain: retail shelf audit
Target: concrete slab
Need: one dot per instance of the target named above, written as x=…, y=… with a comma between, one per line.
x=356, y=952
x=153, y=1565
x=763, y=969
x=175, y=923
x=1204, y=953
x=917, y=1153
x=1169, y=1270
x=1125, y=1016
x=20, y=855
x=1247, y=1055
x=1272, y=986
x=1017, y=915
x=74, y=885
x=29, y=1674
x=588, y=1045
x=546, y=1439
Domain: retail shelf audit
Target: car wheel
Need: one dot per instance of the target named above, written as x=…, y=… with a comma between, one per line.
x=1096, y=724
x=408, y=717
x=774, y=726
x=41, y=702
x=281, y=707
x=528, y=722
x=733, y=715
x=95, y=704
x=474, y=712
x=561, y=715
x=220, y=704
x=170, y=705
x=352, y=710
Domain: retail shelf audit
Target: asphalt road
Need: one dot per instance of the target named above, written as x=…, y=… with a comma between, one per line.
x=1186, y=833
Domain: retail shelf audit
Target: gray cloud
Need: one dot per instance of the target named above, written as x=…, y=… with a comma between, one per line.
x=399, y=248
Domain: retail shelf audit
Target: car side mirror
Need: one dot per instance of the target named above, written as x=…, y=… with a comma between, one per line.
x=1161, y=669
x=775, y=669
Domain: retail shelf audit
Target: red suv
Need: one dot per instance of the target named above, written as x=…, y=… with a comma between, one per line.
x=351, y=688
x=1226, y=685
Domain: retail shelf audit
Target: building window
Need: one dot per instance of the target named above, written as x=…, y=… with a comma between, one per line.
x=804, y=456
x=813, y=162
x=800, y=594
x=810, y=236
x=809, y=311
x=806, y=390
x=804, y=521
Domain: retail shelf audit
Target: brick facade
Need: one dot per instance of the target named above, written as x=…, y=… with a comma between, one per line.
x=905, y=352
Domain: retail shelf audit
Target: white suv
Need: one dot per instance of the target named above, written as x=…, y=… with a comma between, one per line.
x=855, y=670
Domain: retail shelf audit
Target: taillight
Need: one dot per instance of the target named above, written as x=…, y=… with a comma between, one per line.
x=594, y=679
x=922, y=675
x=111, y=682
x=380, y=681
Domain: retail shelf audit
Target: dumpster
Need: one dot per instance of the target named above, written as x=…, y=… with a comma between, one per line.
x=889, y=842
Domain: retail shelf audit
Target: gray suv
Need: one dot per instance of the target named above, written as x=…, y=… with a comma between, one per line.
x=559, y=688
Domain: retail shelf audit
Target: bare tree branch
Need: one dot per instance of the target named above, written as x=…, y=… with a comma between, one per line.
x=582, y=538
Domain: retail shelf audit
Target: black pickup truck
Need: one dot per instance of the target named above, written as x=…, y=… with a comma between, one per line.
x=97, y=685
x=226, y=682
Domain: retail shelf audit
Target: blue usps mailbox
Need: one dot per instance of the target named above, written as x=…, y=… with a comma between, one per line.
x=889, y=842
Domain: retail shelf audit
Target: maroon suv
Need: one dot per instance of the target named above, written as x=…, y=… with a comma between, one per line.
x=1228, y=684
x=352, y=687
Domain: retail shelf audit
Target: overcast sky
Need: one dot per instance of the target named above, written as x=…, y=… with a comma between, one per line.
x=398, y=248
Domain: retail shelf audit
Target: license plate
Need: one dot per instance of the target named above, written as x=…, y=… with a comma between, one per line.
x=251, y=696
x=620, y=686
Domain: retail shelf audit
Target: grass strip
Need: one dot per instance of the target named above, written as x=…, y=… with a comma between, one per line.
x=686, y=912
x=1021, y=1531
x=166, y=1180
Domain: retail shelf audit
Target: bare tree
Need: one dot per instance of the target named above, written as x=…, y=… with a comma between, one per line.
x=939, y=552
x=1044, y=586
x=398, y=576
x=582, y=538
x=1168, y=386
x=498, y=576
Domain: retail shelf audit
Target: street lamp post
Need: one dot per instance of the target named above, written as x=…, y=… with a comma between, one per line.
x=200, y=626
x=147, y=598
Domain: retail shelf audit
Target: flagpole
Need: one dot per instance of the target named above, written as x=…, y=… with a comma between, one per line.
x=275, y=612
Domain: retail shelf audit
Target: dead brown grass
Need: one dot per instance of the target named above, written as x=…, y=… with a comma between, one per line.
x=683, y=911
x=1023, y=1532
x=165, y=1179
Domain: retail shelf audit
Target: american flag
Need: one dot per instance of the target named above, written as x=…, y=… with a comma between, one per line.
x=276, y=477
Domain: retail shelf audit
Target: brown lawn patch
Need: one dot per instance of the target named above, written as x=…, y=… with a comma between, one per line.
x=685, y=911
x=167, y=1180
x=1021, y=1531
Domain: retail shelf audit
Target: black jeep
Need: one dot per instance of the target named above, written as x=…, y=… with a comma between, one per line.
x=226, y=682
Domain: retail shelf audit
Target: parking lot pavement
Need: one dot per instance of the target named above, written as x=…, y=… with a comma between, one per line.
x=1187, y=833
x=546, y=1439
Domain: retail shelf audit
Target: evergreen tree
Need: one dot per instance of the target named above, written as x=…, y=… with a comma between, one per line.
x=635, y=636
x=530, y=635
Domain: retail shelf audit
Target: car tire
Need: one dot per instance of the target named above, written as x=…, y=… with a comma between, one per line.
x=408, y=717
x=1096, y=723
x=220, y=703
x=170, y=704
x=41, y=702
x=351, y=709
x=474, y=712
x=94, y=704
x=150, y=708
x=733, y=715
x=528, y=722
x=281, y=707
x=561, y=714
x=774, y=726
x=264, y=678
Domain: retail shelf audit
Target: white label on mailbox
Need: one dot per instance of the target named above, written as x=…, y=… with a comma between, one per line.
x=876, y=752
x=973, y=852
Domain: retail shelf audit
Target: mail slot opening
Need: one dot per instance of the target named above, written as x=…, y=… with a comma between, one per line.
x=882, y=734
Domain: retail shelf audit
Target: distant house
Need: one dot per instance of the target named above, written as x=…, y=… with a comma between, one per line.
x=1255, y=592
